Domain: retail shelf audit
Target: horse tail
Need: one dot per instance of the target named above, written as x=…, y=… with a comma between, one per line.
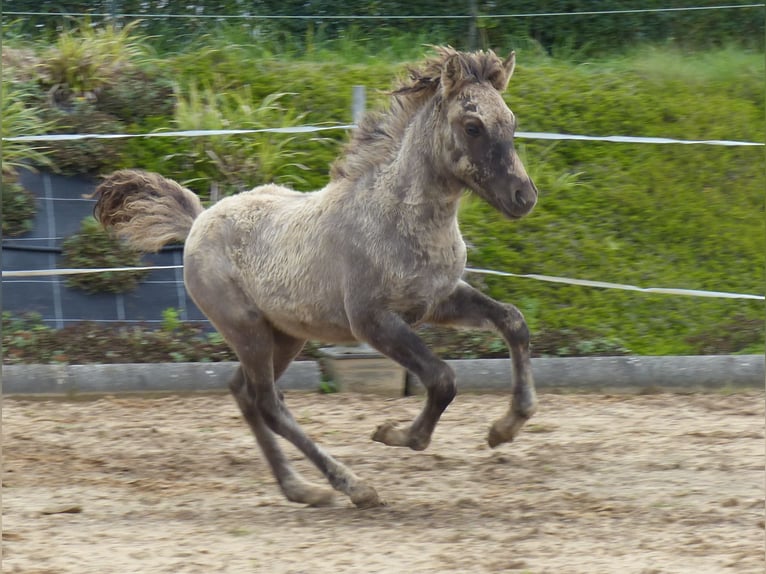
x=145, y=208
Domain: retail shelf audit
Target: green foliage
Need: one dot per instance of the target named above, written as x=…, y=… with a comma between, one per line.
x=221, y=92
x=577, y=342
x=19, y=208
x=93, y=81
x=734, y=71
x=85, y=60
x=320, y=88
x=20, y=118
x=26, y=339
x=94, y=248
x=576, y=35
x=328, y=387
x=83, y=156
x=671, y=216
x=137, y=95
x=86, y=83
x=684, y=216
x=15, y=324
x=565, y=342
x=738, y=334
x=171, y=320
x=22, y=334
x=243, y=161
x=215, y=338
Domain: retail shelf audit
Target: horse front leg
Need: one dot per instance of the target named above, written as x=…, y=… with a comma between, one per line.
x=468, y=307
x=389, y=334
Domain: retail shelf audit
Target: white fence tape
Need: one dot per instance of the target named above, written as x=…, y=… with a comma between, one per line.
x=310, y=129
x=49, y=272
x=632, y=139
x=608, y=285
x=183, y=133
x=548, y=278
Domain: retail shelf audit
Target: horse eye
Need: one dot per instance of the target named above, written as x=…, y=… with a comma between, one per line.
x=473, y=130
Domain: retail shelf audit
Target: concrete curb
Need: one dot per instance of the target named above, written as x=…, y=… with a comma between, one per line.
x=596, y=374
x=626, y=374
x=140, y=378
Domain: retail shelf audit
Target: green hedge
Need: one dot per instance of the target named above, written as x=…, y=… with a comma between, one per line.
x=652, y=215
x=321, y=91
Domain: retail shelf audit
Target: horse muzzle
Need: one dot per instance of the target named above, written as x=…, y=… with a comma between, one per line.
x=517, y=202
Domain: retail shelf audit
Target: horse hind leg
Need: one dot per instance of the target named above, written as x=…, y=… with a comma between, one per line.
x=261, y=391
x=293, y=486
x=229, y=313
x=264, y=353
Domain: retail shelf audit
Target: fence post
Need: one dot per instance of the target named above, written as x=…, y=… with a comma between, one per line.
x=113, y=13
x=358, y=102
x=472, y=23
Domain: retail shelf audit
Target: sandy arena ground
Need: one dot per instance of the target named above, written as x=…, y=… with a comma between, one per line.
x=597, y=484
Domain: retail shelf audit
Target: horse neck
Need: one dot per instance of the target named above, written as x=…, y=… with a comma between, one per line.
x=416, y=180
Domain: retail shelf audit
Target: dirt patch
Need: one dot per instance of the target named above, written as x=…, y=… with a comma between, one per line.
x=632, y=484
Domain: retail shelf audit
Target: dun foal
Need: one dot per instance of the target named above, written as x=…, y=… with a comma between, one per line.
x=374, y=253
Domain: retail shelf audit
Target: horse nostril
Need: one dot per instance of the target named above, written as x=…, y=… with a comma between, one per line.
x=528, y=196
x=521, y=198
x=525, y=198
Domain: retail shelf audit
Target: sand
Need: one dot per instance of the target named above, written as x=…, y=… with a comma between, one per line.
x=630, y=484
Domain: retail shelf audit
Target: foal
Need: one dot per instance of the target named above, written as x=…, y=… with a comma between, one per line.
x=374, y=253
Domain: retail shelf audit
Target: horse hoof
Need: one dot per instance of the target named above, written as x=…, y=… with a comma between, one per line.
x=321, y=499
x=387, y=433
x=365, y=496
x=505, y=429
x=303, y=492
x=495, y=438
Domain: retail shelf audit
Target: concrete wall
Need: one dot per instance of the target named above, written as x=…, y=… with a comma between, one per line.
x=61, y=206
x=595, y=374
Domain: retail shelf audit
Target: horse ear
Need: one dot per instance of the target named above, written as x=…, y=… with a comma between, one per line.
x=508, y=65
x=452, y=73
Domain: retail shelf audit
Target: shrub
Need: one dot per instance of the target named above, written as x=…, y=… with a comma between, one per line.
x=171, y=320
x=83, y=156
x=684, y=216
x=136, y=95
x=740, y=334
x=19, y=208
x=239, y=162
x=26, y=339
x=19, y=64
x=93, y=247
x=20, y=118
x=85, y=60
x=648, y=215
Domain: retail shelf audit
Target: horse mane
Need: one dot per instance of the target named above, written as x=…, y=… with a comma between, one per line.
x=378, y=136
